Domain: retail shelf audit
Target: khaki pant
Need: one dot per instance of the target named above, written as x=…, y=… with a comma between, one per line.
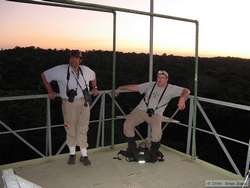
x=76, y=122
x=137, y=117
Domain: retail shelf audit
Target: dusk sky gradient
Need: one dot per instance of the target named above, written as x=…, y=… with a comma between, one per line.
x=224, y=27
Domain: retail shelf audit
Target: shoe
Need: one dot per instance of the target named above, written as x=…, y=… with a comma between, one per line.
x=85, y=161
x=154, y=151
x=72, y=159
x=132, y=150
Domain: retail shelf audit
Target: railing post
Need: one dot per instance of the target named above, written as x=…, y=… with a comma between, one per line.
x=195, y=90
x=103, y=120
x=113, y=82
x=48, y=129
x=190, y=119
x=248, y=159
x=151, y=51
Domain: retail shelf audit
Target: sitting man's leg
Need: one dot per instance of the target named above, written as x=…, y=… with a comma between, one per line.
x=155, y=123
x=135, y=118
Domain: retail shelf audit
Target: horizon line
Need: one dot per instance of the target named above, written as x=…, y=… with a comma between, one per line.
x=137, y=52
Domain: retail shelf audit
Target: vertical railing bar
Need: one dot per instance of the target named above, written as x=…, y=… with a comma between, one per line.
x=48, y=131
x=103, y=121
x=248, y=160
x=218, y=139
x=190, y=120
x=151, y=51
x=195, y=89
x=99, y=124
x=113, y=82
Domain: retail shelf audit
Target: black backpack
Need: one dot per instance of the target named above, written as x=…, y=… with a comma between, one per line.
x=141, y=154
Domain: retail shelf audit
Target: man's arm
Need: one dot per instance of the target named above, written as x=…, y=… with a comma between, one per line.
x=94, y=87
x=184, y=94
x=130, y=87
x=51, y=92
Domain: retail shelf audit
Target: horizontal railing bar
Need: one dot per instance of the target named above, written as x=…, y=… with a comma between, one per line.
x=41, y=96
x=126, y=10
x=211, y=133
x=120, y=118
x=222, y=136
x=224, y=103
x=52, y=126
x=212, y=101
x=24, y=97
x=23, y=130
x=60, y=5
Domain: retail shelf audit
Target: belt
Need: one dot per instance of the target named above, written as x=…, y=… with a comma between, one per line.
x=76, y=99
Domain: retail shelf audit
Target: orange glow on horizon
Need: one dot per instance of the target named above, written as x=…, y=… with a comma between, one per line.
x=221, y=33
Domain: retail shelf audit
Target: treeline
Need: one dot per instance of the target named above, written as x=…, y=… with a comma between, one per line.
x=223, y=78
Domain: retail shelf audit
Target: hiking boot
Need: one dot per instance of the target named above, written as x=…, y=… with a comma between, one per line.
x=154, y=151
x=72, y=159
x=131, y=144
x=85, y=161
x=132, y=150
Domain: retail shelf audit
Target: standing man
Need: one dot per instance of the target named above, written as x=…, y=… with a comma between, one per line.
x=73, y=80
x=156, y=97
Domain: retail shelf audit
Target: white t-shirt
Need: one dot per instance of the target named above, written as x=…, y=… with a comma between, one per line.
x=59, y=74
x=171, y=92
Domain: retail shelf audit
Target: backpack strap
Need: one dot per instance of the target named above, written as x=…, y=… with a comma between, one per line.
x=130, y=157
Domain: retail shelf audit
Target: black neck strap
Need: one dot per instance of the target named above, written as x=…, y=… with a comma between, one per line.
x=150, y=95
x=68, y=77
x=78, y=84
x=161, y=96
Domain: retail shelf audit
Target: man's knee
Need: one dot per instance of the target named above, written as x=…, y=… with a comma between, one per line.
x=156, y=134
x=156, y=137
x=84, y=129
x=128, y=128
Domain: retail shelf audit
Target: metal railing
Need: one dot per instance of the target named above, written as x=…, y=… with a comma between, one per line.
x=113, y=10
x=101, y=125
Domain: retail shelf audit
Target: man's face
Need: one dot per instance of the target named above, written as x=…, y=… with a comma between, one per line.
x=74, y=61
x=162, y=80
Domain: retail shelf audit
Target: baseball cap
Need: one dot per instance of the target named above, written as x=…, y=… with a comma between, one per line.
x=75, y=53
x=163, y=72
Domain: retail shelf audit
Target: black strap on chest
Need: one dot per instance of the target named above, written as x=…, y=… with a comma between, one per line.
x=150, y=95
x=78, y=84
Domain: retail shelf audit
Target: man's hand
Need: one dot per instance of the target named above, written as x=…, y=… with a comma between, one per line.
x=181, y=103
x=52, y=95
x=117, y=91
x=94, y=92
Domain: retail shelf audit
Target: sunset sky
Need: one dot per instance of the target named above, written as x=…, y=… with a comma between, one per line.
x=224, y=27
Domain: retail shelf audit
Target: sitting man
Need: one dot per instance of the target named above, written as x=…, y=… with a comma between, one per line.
x=150, y=109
